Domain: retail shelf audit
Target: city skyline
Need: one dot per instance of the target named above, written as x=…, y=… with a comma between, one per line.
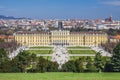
x=61, y=9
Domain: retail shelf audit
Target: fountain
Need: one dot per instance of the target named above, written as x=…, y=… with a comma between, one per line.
x=60, y=55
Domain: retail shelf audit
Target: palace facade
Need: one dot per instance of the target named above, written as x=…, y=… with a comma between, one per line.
x=61, y=37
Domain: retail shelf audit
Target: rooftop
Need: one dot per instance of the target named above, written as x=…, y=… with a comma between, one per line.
x=115, y=37
x=36, y=32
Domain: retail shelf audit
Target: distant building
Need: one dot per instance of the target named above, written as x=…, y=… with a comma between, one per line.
x=60, y=25
x=114, y=38
x=7, y=38
x=101, y=26
x=108, y=19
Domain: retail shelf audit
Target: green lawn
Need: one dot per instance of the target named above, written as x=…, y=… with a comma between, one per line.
x=41, y=47
x=81, y=51
x=78, y=47
x=77, y=57
x=47, y=57
x=40, y=51
x=74, y=57
x=59, y=76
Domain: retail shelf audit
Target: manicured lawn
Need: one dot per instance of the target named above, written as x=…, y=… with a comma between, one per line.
x=74, y=57
x=59, y=76
x=77, y=57
x=41, y=47
x=78, y=47
x=40, y=51
x=47, y=57
x=81, y=51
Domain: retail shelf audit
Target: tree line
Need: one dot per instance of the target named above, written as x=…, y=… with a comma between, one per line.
x=9, y=46
x=30, y=63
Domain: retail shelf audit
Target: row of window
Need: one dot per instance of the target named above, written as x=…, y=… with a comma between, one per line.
x=45, y=40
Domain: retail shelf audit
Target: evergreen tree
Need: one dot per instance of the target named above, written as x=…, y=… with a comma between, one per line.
x=98, y=62
x=79, y=63
x=33, y=61
x=21, y=62
x=42, y=65
x=90, y=66
x=115, y=59
x=3, y=55
x=14, y=65
x=52, y=66
x=108, y=67
x=69, y=66
x=4, y=61
x=1, y=40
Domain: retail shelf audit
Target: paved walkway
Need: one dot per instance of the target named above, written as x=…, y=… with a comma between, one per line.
x=44, y=54
x=81, y=54
x=78, y=49
x=69, y=54
x=51, y=49
x=37, y=49
x=102, y=51
x=16, y=52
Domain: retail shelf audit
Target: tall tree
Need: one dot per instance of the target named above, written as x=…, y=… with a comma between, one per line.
x=98, y=62
x=4, y=61
x=42, y=65
x=115, y=59
x=1, y=40
x=22, y=61
x=79, y=63
x=69, y=66
x=90, y=65
x=52, y=66
x=33, y=63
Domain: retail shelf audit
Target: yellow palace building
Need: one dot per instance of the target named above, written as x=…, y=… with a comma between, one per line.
x=61, y=37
